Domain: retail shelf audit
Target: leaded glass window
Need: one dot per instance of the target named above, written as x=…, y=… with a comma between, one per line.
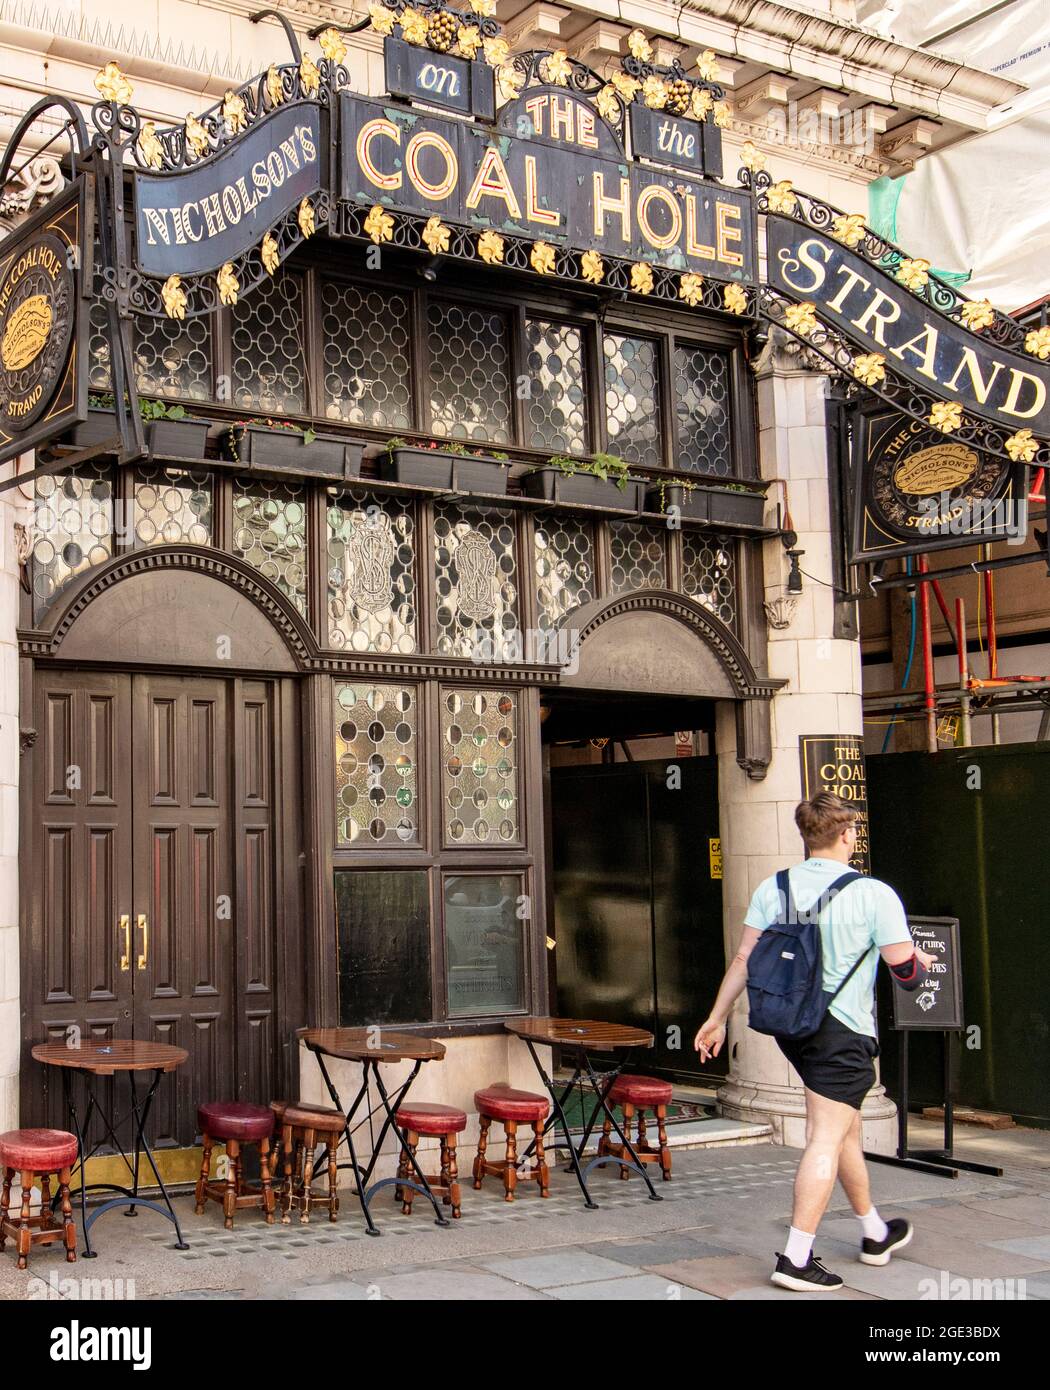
x=269, y=360
x=708, y=573
x=375, y=761
x=100, y=367
x=632, y=399
x=639, y=556
x=556, y=407
x=371, y=573
x=469, y=372
x=475, y=579
x=479, y=767
x=367, y=367
x=383, y=934
x=484, y=944
x=269, y=531
x=173, y=357
x=701, y=403
x=72, y=528
x=173, y=506
x=564, y=552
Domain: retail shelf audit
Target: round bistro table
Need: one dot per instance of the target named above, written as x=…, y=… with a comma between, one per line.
x=96, y=1057
x=583, y=1036
x=374, y=1047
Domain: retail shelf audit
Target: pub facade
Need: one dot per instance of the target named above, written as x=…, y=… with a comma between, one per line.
x=424, y=580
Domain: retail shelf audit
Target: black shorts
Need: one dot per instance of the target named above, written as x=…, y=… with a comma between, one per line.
x=835, y=1062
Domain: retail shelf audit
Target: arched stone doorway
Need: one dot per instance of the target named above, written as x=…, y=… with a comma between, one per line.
x=162, y=826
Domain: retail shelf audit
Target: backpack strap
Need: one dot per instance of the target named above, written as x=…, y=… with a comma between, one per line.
x=787, y=904
x=830, y=893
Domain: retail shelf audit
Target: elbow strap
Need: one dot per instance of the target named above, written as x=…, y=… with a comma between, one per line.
x=909, y=974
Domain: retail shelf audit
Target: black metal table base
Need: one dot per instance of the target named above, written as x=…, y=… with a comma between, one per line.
x=129, y=1196
x=582, y=1067
x=363, y=1192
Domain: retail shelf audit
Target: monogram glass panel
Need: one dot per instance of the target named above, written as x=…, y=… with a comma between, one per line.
x=475, y=575
x=564, y=551
x=708, y=574
x=72, y=529
x=375, y=765
x=367, y=367
x=556, y=409
x=639, y=556
x=269, y=531
x=632, y=399
x=173, y=357
x=484, y=944
x=479, y=767
x=701, y=403
x=371, y=573
x=173, y=506
x=269, y=361
x=469, y=372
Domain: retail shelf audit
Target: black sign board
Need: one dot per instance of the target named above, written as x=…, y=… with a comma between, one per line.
x=667, y=139
x=937, y=1004
x=45, y=265
x=440, y=79
x=195, y=220
x=835, y=763
x=915, y=490
x=873, y=310
x=561, y=177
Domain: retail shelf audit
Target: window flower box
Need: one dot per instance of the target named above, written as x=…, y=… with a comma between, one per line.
x=100, y=425
x=272, y=449
x=438, y=468
x=582, y=489
x=693, y=503
x=735, y=506
x=178, y=439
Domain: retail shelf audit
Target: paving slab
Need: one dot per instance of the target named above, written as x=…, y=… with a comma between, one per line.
x=771, y=1294
x=1033, y=1211
x=720, y=1275
x=657, y=1250
x=958, y=1253
x=438, y=1286
x=1035, y=1247
x=900, y=1279
x=645, y=1288
x=568, y=1266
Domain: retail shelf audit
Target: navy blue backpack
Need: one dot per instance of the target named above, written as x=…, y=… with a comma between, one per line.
x=785, y=971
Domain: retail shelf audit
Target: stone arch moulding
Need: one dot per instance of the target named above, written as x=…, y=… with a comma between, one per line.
x=179, y=606
x=656, y=642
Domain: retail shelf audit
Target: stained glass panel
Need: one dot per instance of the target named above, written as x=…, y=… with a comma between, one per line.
x=701, y=402
x=565, y=579
x=556, y=407
x=469, y=372
x=269, y=531
x=72, y=528
x=708, y=574
x=639, y=556
x=173, y=506
x=479, y=766
x=367, y=368
x=632, y=399
x=375, y=760
x=371, y=573
x=269, y=361
x=475, y=576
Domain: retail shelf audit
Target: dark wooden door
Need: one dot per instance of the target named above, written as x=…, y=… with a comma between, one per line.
x=168, y=870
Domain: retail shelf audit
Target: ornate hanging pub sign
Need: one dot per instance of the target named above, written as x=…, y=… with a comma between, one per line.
x=44, y=269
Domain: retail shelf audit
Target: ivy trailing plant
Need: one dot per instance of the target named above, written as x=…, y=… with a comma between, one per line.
x=148, y=409
x=454, y=446
x=607, y=467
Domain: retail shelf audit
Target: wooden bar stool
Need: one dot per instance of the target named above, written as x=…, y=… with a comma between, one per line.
x=302, y=1128
x=637, y=1094
x=511, y=1108
x=233, y=1123
x=35, y=1154
x=442, y=1122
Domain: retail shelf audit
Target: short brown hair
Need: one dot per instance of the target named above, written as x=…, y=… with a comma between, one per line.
x=822, y=820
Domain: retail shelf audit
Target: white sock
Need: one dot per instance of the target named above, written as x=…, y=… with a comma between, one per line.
x=798, y=1248
x=874, y=1226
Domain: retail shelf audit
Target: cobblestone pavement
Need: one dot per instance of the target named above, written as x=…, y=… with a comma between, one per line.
x=713, y=1236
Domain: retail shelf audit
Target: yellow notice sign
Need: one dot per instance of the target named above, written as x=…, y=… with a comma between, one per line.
x=714, y=850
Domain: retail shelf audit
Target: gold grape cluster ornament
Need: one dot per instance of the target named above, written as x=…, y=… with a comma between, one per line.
x=468, y=33
x=668, y=87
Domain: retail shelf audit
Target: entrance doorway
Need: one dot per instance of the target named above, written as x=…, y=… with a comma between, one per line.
x=163, y=888
x=635, y=869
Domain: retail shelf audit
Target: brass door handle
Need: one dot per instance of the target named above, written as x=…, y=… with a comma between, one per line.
x=143, y=927
x=124, y=926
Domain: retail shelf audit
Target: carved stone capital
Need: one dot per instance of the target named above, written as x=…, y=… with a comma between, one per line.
x=39, y=180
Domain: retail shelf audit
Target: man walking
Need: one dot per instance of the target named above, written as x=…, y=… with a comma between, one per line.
x=836, y=1063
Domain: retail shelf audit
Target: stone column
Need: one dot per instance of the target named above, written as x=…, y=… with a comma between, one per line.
x=822, y=696
x=12, y=510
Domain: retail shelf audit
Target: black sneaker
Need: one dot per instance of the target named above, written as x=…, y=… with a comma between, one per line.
x=878, y=1252
x=811, y=1277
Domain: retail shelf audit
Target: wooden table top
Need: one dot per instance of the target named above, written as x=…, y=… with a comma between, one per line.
x=104, y=1058
x=372, y=1045
x=579, y=1032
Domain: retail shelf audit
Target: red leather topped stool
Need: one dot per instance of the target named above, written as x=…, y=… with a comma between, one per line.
x=233, y=1123
x=637, y=1094
x=36, y=1154
x=511, y=1108
x=443, y=1122
x=299, y=1128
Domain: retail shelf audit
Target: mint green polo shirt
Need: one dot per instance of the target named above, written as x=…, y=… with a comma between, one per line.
x=866, y=914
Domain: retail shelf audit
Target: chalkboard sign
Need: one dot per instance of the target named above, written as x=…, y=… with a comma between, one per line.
x=937, y=1003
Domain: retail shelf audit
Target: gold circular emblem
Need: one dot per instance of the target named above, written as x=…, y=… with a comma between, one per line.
x=938, y=469
x=26, y=332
